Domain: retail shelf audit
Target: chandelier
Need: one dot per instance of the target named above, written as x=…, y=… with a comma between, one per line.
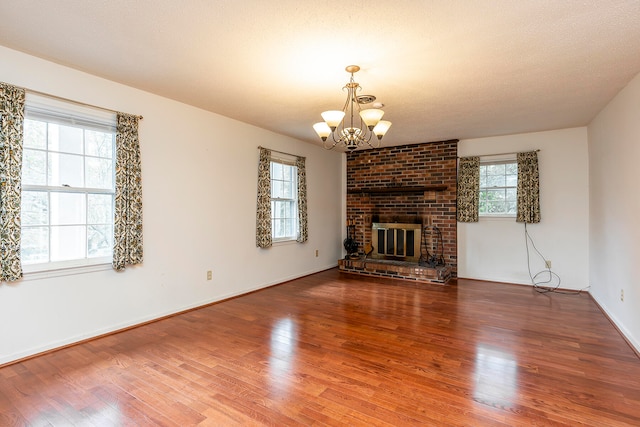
x=352, y=126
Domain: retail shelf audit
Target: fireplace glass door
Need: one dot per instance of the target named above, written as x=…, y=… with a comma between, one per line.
x=396, y=241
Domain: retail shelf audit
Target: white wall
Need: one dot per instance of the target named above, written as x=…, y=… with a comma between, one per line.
x=199, y=195
x=494, y=249
x=614, y=171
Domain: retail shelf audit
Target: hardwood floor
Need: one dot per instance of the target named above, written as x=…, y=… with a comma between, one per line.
x=338, y=349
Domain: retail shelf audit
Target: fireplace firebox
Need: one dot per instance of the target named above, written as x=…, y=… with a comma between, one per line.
x=396, y=241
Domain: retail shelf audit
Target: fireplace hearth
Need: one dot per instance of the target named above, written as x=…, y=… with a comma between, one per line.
x=396, y=270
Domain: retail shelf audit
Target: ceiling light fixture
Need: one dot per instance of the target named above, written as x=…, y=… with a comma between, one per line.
x=350, y=131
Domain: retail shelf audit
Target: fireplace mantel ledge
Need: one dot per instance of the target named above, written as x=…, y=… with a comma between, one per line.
x=386, y=190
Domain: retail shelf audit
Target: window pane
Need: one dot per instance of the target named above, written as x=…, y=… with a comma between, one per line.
x=511, y=207
x=34, y=245
x=276, y=208
x=287, y=172
x=98, y=144
x=278, y=228
x=66, y=139
x=68, y=242
x=99, y=240
x=66, y=169
x=287, y=190
x=495, y=181
x=511, y=194
x=288, y=224
x=276, y=189
x=276, y=170
x=495, y=195
x=511, y=180
x=99, y=173
x=34, y=209
x=511, y=168
x=68, y=208
x=495, y=169
x=495, y=207
x=100, y=209
x=483, y=179
x=292, y=209
x=34, y=167
x=35, y=134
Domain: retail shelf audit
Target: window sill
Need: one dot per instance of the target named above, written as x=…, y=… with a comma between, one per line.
x=497, y=217
x=66, y=268
x=283, y=242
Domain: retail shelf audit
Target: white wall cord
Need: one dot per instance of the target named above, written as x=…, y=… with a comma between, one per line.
x=545, y=280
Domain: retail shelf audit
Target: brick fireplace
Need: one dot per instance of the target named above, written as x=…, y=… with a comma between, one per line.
x=411, y=184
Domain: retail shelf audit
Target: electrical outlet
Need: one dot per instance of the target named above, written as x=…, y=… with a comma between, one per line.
x=316, y=253
x=547, y=263
x=621, y=294
x=209, y=274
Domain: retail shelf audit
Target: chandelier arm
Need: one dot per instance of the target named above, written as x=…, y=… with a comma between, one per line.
x=329, y=146
x=346, y=102
x=376, y=140
x=333, y=136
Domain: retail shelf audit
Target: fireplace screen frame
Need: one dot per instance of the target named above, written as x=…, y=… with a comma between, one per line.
x=399, y=241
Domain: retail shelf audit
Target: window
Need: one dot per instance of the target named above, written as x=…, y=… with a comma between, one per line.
x=284, y=200
x=498, y=182
x=68, y=185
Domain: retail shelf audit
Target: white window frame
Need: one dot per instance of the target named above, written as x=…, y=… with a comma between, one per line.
x=498, y=161
x=288, y=161
x=56, y=111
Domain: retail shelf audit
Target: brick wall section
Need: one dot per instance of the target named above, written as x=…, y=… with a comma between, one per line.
x=432, y=163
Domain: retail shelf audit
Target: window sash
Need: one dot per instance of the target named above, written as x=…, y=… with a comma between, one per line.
x=91, y=218
x=284, y=200
x=83, y=235
x=504, y=200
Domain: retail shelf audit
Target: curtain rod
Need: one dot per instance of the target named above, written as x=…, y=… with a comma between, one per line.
x=502, y=154
x=84, y=104
x=281, y=152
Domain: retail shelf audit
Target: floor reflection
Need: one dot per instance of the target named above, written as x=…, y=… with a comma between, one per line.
x=284, y=337
x=109, y=415
x=495, y=376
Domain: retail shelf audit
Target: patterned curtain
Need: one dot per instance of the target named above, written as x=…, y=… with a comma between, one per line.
x=528, y=188
x=263, y=208
x=468, y=189
x=11, y=124
x=127, y=245
x=302, y=200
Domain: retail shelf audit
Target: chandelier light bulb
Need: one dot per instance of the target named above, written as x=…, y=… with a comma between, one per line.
x=371, y=116
x=333, y=118
x=323, y=130
x=381, y=128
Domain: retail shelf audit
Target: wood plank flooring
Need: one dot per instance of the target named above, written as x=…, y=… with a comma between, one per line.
x=337, y=349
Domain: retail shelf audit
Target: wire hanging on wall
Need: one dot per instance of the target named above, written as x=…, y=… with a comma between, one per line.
x=545, y=280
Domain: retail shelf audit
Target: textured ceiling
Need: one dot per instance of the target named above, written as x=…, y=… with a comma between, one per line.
x=444, y=69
